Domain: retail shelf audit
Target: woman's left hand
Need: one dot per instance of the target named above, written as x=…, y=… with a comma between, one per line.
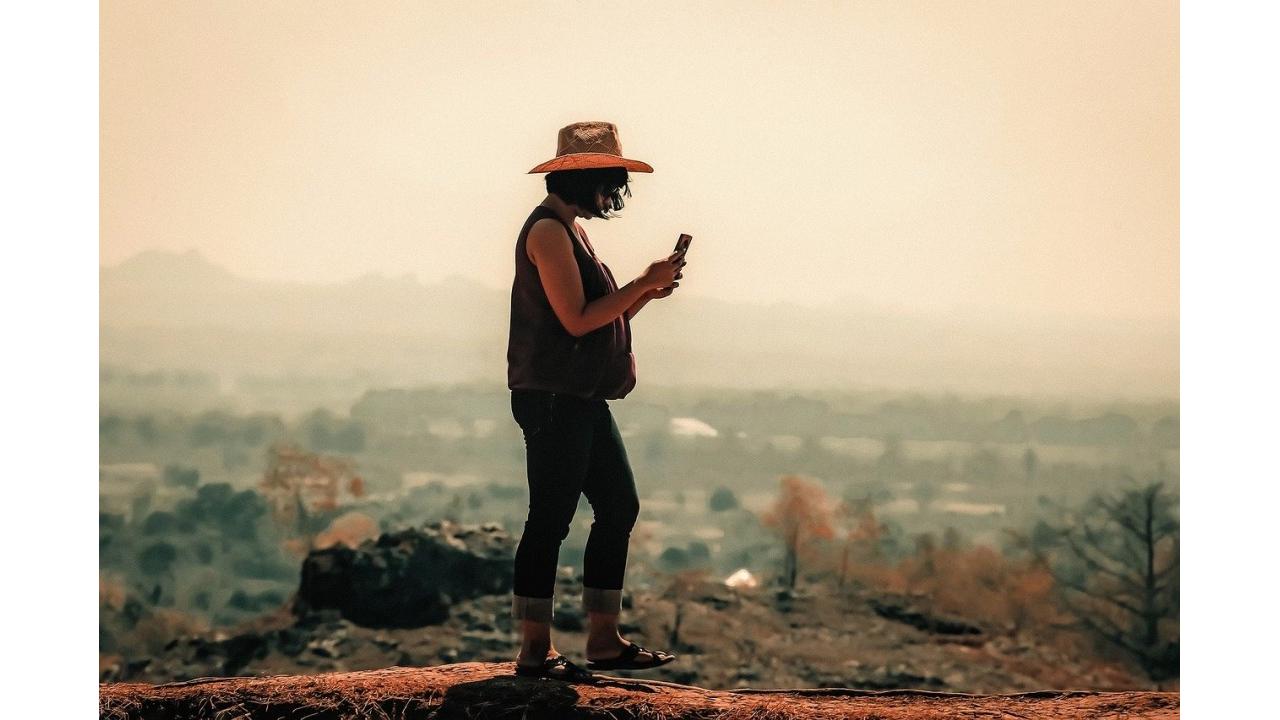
x=659, y=293
x=663, y=292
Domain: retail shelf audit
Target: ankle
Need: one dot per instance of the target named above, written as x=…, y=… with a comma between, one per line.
x=534, y=659
x=604, y=639
x=535, y=648
x=602, y=623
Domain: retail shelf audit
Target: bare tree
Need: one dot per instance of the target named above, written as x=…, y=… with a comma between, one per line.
x=683, y=586
x=1030, y=462
x=1123, y=583
x=862, y=537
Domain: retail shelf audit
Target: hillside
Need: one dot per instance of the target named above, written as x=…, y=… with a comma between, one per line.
x=813, y=637
x=490, y=690
x=179, y=310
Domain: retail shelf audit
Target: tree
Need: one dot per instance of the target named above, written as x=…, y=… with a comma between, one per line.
x=147, y=429
x=259, y=428
x=954, y=576
x=983, y=466
x=453, y=511
x=299, y=484
x=924, y=490
x=179, y=476
x=157, y=559
x=892, y=459
x=722, y=499
x=952, y=540
x=1164, y=433
x=674, y=558
x=1125, y=588
x=683, y=588
x=1030, y=461
x=212, y=428
x=801, y=514
x=325, y=431
x=219, y=505
x=160, y=522
x=109, y=428
x=863, y=536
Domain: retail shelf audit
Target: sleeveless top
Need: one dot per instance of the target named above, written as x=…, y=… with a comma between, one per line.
x=541, y=354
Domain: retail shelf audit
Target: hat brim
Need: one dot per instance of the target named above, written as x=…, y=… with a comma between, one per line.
x=589, y=161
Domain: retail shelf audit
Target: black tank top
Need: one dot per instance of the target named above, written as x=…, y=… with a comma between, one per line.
x=541, y=354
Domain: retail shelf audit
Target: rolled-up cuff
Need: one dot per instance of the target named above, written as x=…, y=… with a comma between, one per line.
x=601, y=600
x=531, y=608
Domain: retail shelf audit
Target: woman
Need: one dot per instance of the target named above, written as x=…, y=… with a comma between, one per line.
x=569, y=351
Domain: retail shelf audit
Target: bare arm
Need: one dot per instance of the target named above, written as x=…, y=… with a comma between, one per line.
x=653, y=294
x=635, y=307
x=551, y=250
x=658, y=293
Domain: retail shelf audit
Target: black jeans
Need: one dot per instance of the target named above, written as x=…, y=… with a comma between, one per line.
x=572, y=448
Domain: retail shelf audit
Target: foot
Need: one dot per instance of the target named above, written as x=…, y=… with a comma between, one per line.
x=625, y=655
x=556, y=667
x=534, y=658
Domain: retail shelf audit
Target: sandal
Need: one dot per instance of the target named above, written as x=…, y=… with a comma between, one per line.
x=556, y=668
x=626, y=660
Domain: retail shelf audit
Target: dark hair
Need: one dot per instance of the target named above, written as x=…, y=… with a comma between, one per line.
x=579, y=187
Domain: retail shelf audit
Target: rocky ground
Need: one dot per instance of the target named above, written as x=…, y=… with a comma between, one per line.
x=479, y=691
x=814, y=637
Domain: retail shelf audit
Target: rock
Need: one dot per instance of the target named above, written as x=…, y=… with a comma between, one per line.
x=291, y=641
x=715, y=601
x=886, y=678
x=410, y=578
x=325, y=647
x=218, y=656
x=684, y=676
x=386, y=642
x=902, y=611
x=240, y=650
x=742, y=578
x=485, y=642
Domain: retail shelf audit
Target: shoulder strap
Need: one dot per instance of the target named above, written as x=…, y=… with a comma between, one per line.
x=587, y=242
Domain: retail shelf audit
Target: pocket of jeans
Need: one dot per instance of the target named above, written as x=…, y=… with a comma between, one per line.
x=532, y=411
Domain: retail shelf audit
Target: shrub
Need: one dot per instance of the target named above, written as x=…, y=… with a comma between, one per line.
x=722, y=499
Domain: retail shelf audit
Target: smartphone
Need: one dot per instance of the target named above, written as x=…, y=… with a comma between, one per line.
x=682, y=243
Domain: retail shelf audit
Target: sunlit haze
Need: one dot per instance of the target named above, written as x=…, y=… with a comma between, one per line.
x=911, y=156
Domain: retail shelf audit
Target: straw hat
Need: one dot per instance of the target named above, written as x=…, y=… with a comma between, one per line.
x=586, y=145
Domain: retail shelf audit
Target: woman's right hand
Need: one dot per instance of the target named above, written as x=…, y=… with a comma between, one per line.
x=663, y=273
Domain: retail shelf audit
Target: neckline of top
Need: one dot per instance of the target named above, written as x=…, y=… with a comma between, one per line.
x=573, y=232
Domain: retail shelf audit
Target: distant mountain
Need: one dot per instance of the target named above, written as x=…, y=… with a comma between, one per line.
x=159, y=267
x=156, y=289
x=179, y=310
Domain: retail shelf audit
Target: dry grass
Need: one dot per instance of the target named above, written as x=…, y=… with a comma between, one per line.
x=490, y=690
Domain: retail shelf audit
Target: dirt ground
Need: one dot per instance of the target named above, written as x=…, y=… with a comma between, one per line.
x=491, y=690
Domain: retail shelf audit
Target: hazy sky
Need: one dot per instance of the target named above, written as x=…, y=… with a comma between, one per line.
x=934, y=155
